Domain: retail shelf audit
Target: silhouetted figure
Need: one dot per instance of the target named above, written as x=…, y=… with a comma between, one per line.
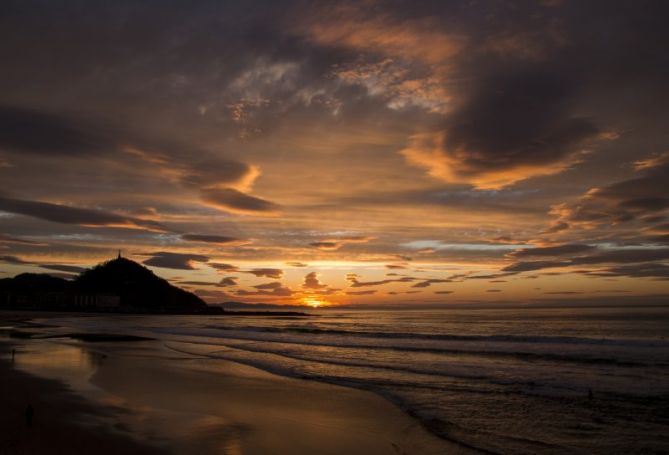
x=30, y=412
x=590, y=394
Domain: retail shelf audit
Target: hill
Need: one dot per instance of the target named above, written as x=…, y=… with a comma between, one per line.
x=137, y=287
x=118, y=285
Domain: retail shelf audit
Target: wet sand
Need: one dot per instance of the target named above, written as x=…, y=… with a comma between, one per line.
x=63, y=422
x=147, y=398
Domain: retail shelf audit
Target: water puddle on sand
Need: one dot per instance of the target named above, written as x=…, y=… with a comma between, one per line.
x=75, y=365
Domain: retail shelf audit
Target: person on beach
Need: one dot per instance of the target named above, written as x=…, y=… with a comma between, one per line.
x=30, y=412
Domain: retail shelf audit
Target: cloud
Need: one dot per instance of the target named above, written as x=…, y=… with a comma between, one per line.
x=177, y=261
x=74, y=215
x=355, y=283
x=275, y=291
x=197, y=283
x=620, y=256
x=333, y=244
x=634, y=199
x=370, y=292
x=649, y=270
x=297, y=264
x=265, y=272
x=57, y=267
x=234, y=201
x=217, y=239
x=63, y=268
x=550, y=251
x=31, y=131
x=228, y=281
x=534, y=265
x=19, y=241
x=443, y=292
x=219, y=180
x=512, y=125
x=228, y=268
x=311, y=282
x=14, y=260
x=269, y=286
x=428, y=283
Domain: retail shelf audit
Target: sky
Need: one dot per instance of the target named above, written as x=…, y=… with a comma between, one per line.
x=348, y=152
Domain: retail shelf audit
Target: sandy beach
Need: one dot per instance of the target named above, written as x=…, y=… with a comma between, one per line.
x=144, y=397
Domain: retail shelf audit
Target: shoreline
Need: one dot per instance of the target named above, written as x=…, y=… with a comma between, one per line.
x=58, y=415
x=237, y=407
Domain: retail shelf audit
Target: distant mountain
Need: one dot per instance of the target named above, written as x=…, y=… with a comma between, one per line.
x=117, y=285
x=31, y=282
x=137, y=286
x=256, y=306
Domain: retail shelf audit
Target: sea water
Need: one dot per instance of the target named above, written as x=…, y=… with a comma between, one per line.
x=509, y=381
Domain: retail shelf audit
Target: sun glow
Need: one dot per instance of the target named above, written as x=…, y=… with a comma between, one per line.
x=314, y=302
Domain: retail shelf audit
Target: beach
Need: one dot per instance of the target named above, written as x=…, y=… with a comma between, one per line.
x=143, y=397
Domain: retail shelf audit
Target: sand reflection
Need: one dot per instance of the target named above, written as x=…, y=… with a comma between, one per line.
x=177, y=430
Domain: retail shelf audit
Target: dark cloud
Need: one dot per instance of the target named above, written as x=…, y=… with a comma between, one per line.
x=488, y=276
x=217, y=239
x=639, y=198
x=229, y=268
x=620, y=256
x=428, y=283
x=297, y=264
x=175, y=260
x=311, y=282
x=334, y=244
x=443, y=292
x=19, y=241
x=75, y=215
x=649, y=270
x=513, y=124
x=265, y=272
x=228, y=281
x=269, y=286
x=210, y=171
x=63, y=268
x=551, y=251
x=370, y=292
x=232, y=200
x=13, y=260
x=355, y=283
x=197, y=283
x=30, y=131
x=534, y=265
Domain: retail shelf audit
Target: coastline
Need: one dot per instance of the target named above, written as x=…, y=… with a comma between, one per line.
x=58, y=424
x=164, y=400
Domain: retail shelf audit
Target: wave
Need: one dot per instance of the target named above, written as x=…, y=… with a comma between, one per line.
x=529, y=356
x=534, y=339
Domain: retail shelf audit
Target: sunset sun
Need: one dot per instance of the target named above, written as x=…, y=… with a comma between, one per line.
x=314, y=302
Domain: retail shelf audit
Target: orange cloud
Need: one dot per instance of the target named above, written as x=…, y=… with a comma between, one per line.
x=354, y=27
x=429, y=151
x=334, y=244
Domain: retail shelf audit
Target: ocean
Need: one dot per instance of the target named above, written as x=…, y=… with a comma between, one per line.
x=507, y=381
